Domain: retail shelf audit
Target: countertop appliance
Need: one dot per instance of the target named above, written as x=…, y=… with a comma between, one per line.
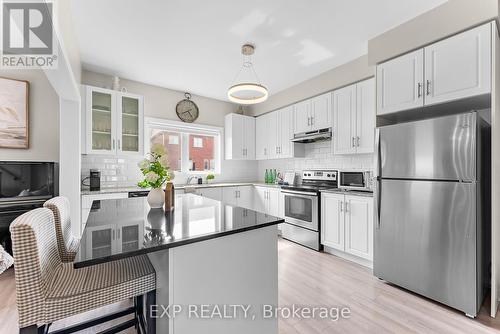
x=95, y=180
x=356, y=180
x=301, y=203
x=431, y=208
x=313, y=136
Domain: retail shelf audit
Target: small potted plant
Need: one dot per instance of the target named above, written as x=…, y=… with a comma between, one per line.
x=156, y=171
x=210, y=178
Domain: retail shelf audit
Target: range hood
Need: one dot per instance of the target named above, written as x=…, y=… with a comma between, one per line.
x=313, y=136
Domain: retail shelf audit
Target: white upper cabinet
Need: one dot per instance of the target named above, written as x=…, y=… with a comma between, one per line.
x=354, y=118
x=313, y=114
x=239, y=137
x=365, y=116
x=459, y=66
x=321, y=111
x=454, y=68
x=112, y=122
x=274, y=132
x=344, y=132
x=400, y=83
x=302, y=116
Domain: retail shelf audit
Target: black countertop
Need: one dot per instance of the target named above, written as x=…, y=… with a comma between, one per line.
x=120, y=228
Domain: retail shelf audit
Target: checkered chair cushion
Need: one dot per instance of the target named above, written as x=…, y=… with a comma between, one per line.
x=67, y=244
x=48, y=289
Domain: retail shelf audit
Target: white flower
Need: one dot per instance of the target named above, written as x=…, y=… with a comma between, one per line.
x=158, y=149
x=152, y=177
x=171, y=175
x=143, y=164
x=164, y=161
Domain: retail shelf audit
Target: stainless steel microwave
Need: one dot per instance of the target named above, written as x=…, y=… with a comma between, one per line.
x=356, y=180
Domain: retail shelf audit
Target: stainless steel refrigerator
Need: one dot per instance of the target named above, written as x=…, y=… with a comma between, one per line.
x=431, y=203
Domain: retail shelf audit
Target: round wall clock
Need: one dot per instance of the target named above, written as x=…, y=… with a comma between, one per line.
x=187, y=110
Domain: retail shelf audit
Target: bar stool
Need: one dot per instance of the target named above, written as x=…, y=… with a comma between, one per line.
x=66, y=243
x=49, y=290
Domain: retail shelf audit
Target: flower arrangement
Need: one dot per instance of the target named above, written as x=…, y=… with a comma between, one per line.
x=155, y=168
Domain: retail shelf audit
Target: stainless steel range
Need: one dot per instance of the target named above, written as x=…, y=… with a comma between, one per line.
x=301, y=203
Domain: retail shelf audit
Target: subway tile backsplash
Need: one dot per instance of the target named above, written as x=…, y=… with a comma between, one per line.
x=318, y=156
x=115, y=171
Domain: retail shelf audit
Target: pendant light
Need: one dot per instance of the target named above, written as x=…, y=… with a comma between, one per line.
x=247, y=91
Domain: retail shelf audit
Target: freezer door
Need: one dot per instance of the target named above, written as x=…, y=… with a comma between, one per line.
x=439, y=149
x=425, y=240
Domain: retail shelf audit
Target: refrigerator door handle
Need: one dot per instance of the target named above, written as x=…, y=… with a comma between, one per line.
x=376, y=179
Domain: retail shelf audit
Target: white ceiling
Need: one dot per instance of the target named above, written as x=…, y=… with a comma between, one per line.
x=194, y=45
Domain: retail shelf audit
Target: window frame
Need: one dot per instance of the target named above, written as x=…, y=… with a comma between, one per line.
x=185, y=129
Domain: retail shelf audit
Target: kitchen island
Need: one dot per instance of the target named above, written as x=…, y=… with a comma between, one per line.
x=216, y=264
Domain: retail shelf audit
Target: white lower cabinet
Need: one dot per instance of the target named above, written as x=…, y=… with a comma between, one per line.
x=213, y=193
x=267, y=200
x=238, y=196
x=347, y=224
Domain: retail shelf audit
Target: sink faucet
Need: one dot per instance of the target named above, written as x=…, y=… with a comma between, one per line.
x=189, y=178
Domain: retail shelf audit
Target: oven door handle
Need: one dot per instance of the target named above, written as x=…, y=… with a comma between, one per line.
x=304, y=194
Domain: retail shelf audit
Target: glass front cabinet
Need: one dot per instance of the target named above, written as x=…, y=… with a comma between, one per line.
x=112, y=122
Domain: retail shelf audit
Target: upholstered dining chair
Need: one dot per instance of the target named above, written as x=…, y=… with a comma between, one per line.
x=66, y=242
x=48, y=289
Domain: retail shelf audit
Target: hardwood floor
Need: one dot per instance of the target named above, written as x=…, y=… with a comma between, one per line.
x=308, y=278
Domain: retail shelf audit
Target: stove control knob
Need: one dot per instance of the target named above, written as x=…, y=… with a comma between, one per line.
x=327, y=175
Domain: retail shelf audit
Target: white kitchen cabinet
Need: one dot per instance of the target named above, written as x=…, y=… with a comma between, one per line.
x=212, y=192
x=451, y=69
x=267, y=200
x=321, y=111
x=86, y=205
x=241, y=196
x=274, y=132
x=347, y=224
x=459, y=66
x=354, y=114
x=239, y=132
x=313, y=114
x=332, y=217
x=112, y=122
x=359, y=226
x=400, y=83
x=302, y=116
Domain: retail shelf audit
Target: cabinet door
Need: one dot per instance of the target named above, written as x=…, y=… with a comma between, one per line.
x=400, y=83
x=261, y=132
x=130, y=124
x=321, y=113
x=260, y=199
x=302, y=111
x=344, y=106
x=100, y=121
x=245, y=197
x=213, y=193
x=359, y=226
x=332, y=220
x=286, y=133
x=365, y=116
x=229, y=195
x=273, y=199
x=234, y=134
x=272, y=135
x=459, y=66
x=101, y=241
x=249, y=138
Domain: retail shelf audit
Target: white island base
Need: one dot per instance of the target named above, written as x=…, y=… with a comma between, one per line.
x=224, y=274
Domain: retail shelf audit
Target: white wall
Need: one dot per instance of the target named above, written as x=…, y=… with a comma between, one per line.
x=343, y=75
x=160, y=102
x=450, y=18
x=43, y=119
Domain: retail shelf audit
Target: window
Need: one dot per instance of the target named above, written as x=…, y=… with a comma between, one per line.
x=191, y=148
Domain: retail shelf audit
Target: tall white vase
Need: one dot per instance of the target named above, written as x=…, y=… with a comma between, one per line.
x=156, y=198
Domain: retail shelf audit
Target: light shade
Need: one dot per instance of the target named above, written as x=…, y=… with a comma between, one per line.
x=247, y=93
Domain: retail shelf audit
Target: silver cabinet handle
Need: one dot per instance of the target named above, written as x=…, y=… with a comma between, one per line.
x=113, y=144
x=113, y=234
x=309, y=121
x=119, y=145
x=312, y=120
x=341, y=206
x=428, y=88
x=419, y=89
x=357, y=141
x=265, y=151
x=353, y=142
x=276, y=150
x=118, y=231
x=346, y=207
